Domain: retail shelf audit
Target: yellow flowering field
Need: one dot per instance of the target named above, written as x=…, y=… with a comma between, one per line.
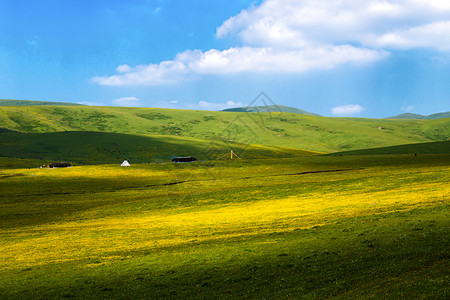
x=94, y=230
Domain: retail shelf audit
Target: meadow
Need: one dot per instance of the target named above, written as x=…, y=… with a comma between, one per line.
x=312, y=133
x=355, y=227
x=93, y=148
x=367, y=220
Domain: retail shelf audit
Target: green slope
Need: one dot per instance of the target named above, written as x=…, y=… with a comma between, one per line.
x=439, y=115
x=407, y=116
x=271, y=108
x=8, y=102
x=418, y=117
x=422, y=148
x=275, y=129
x=83, y=147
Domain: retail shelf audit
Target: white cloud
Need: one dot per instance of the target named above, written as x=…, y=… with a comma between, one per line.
x=305, y=23
x=204, y=105
x=127, y=101
x=166, y=72
x=250, y=59
x=408, y=108
x=90, y=103
x=435, y=4
x=347, y=110
x=123, y=68
x=243, y=59
x=429, y=35
x=295, y=36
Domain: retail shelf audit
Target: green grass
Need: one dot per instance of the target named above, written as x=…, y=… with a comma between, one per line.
x=9, y=102
x=81, y=147
x=276, y=129
x=416, y=149
x=416, y=116
x=368, y=227
x=279, y=223
x=270, y=108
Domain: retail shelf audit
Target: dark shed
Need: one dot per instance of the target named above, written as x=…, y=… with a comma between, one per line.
x=59, y=165
x=183, y=159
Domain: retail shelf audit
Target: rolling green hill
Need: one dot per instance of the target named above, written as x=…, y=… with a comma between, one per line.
x=439, y=115
x=419, y=117
x=408, y=116
x=270, y=108
x=291, y=130
x=416, y=149
x=7, y=102
x=82, y=147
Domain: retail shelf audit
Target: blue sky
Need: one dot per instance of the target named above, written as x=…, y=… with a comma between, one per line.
x=356, y=58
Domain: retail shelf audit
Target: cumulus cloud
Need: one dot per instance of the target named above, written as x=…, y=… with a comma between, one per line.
x=250, y=59
x=428, y=35
x=347, y=110
x=242, y=60
x=295, y=36
x=123, y=68
x=90, y=103
x=127, y=101
x=305, y=23
x=204, y=105
x=408, y=108
x=166, y=72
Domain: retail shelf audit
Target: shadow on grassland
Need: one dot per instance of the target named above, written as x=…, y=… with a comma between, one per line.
x=399, y=254
x=86, y=147
x=415, y=149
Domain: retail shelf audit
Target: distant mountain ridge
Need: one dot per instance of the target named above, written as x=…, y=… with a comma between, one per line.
x=420, y=117
x=10, y=102
x=271, y=108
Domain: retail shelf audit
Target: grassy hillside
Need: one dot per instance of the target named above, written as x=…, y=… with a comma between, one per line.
x=270, y=108
x=359, y=227
x=422, y=148
x=83, y=147
x=417, y=116
x=276, y=129
x=407, y=116
x=439, y=115
x=6, y=102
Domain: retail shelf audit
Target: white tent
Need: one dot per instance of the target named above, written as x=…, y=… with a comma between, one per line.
x=125, y=164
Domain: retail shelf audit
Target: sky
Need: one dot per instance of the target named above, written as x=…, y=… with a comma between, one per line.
x=352, y=58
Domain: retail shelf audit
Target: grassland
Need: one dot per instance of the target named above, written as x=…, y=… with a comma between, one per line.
x=11, y=102
x=355, y=227
x=290, y=130
x=81, y=148
x=416, y=116
x=271, y=108
x=281, y=222
x=416, y=149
